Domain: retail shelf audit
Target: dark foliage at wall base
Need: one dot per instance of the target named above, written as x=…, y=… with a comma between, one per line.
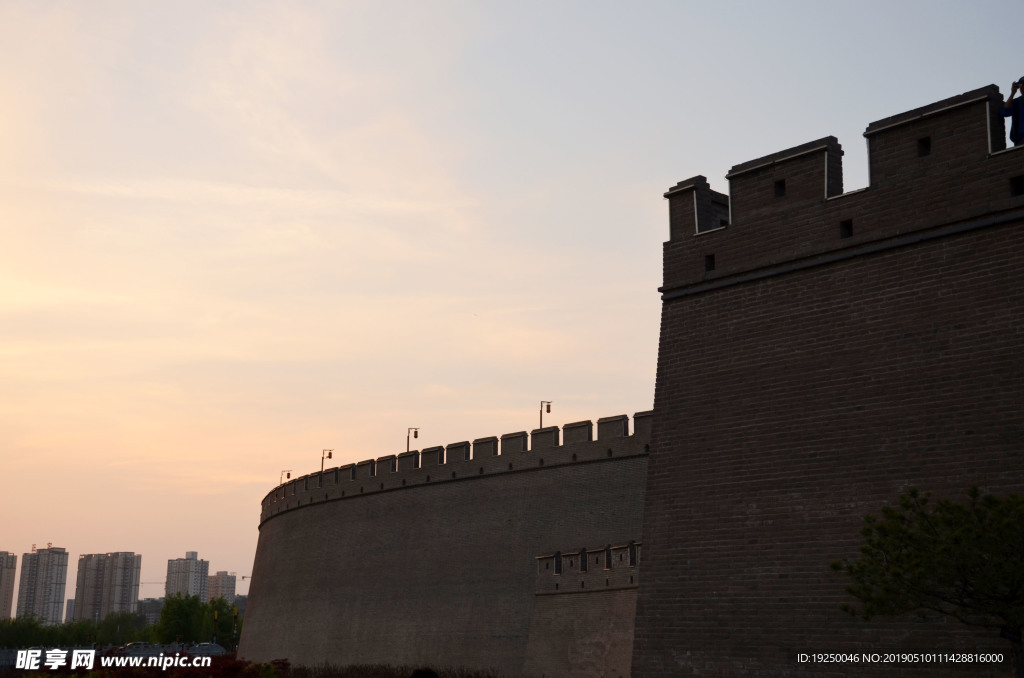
x=964, y=561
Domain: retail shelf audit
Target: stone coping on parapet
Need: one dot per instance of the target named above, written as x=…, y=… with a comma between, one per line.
x=607, y=568
x=989, y=92
x=829, y=143
x=460, y=461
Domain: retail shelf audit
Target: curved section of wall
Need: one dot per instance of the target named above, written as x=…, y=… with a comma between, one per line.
x=437, y=563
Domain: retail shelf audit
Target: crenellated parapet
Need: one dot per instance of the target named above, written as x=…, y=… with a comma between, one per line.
x=586, y=570
x=787, y=211
x=516, y=452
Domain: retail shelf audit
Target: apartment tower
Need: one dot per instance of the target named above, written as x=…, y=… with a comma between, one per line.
x=188, y=576
x=222, y=585
x=106, y=583
x=8, y=564
x=44, y=575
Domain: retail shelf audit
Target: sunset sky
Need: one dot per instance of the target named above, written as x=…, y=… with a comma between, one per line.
x=234, y=234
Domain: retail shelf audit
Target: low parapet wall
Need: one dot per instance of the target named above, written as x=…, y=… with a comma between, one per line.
x=462, y=460
x=589, y=569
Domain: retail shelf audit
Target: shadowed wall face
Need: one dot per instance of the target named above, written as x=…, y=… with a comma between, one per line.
x=809, y=381
x=444, y=571
x=583, y=612
x=582, y=635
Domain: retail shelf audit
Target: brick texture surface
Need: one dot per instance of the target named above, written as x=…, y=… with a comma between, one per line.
x=810, y=379
x=420, y=567
x=582, y=635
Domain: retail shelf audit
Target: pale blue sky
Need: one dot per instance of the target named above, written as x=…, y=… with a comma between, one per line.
x=237, y=233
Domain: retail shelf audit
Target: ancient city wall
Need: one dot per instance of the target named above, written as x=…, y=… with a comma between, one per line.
x=431, y=557
x=820, y=353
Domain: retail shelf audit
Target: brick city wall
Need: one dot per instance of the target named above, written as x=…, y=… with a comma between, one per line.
x=820, y=353
x=405, y=560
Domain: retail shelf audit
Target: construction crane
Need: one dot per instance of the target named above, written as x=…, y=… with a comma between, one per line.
x=144, y=583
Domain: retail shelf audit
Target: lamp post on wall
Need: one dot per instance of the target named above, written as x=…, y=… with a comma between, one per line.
x=326, y=455
x=287, y=473
x=542, y=404
x=415, y=434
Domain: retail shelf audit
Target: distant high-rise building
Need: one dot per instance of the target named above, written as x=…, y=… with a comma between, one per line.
x=151, y=607
x=8, y=564
x=188, y=576
x=69, y=611
x=222, y=585
x=44, y=575
x=107, y=583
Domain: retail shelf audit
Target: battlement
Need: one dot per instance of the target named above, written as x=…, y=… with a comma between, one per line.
x=787, y=210
x=484, y=457
x=584, y=570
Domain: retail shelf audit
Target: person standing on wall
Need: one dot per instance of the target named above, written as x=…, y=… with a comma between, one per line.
x=1014, y=109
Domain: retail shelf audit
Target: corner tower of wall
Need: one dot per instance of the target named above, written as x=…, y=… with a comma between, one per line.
x=820, y=353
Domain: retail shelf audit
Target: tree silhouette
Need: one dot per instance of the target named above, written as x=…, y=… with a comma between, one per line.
x=964, y=561
x=184, y=619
